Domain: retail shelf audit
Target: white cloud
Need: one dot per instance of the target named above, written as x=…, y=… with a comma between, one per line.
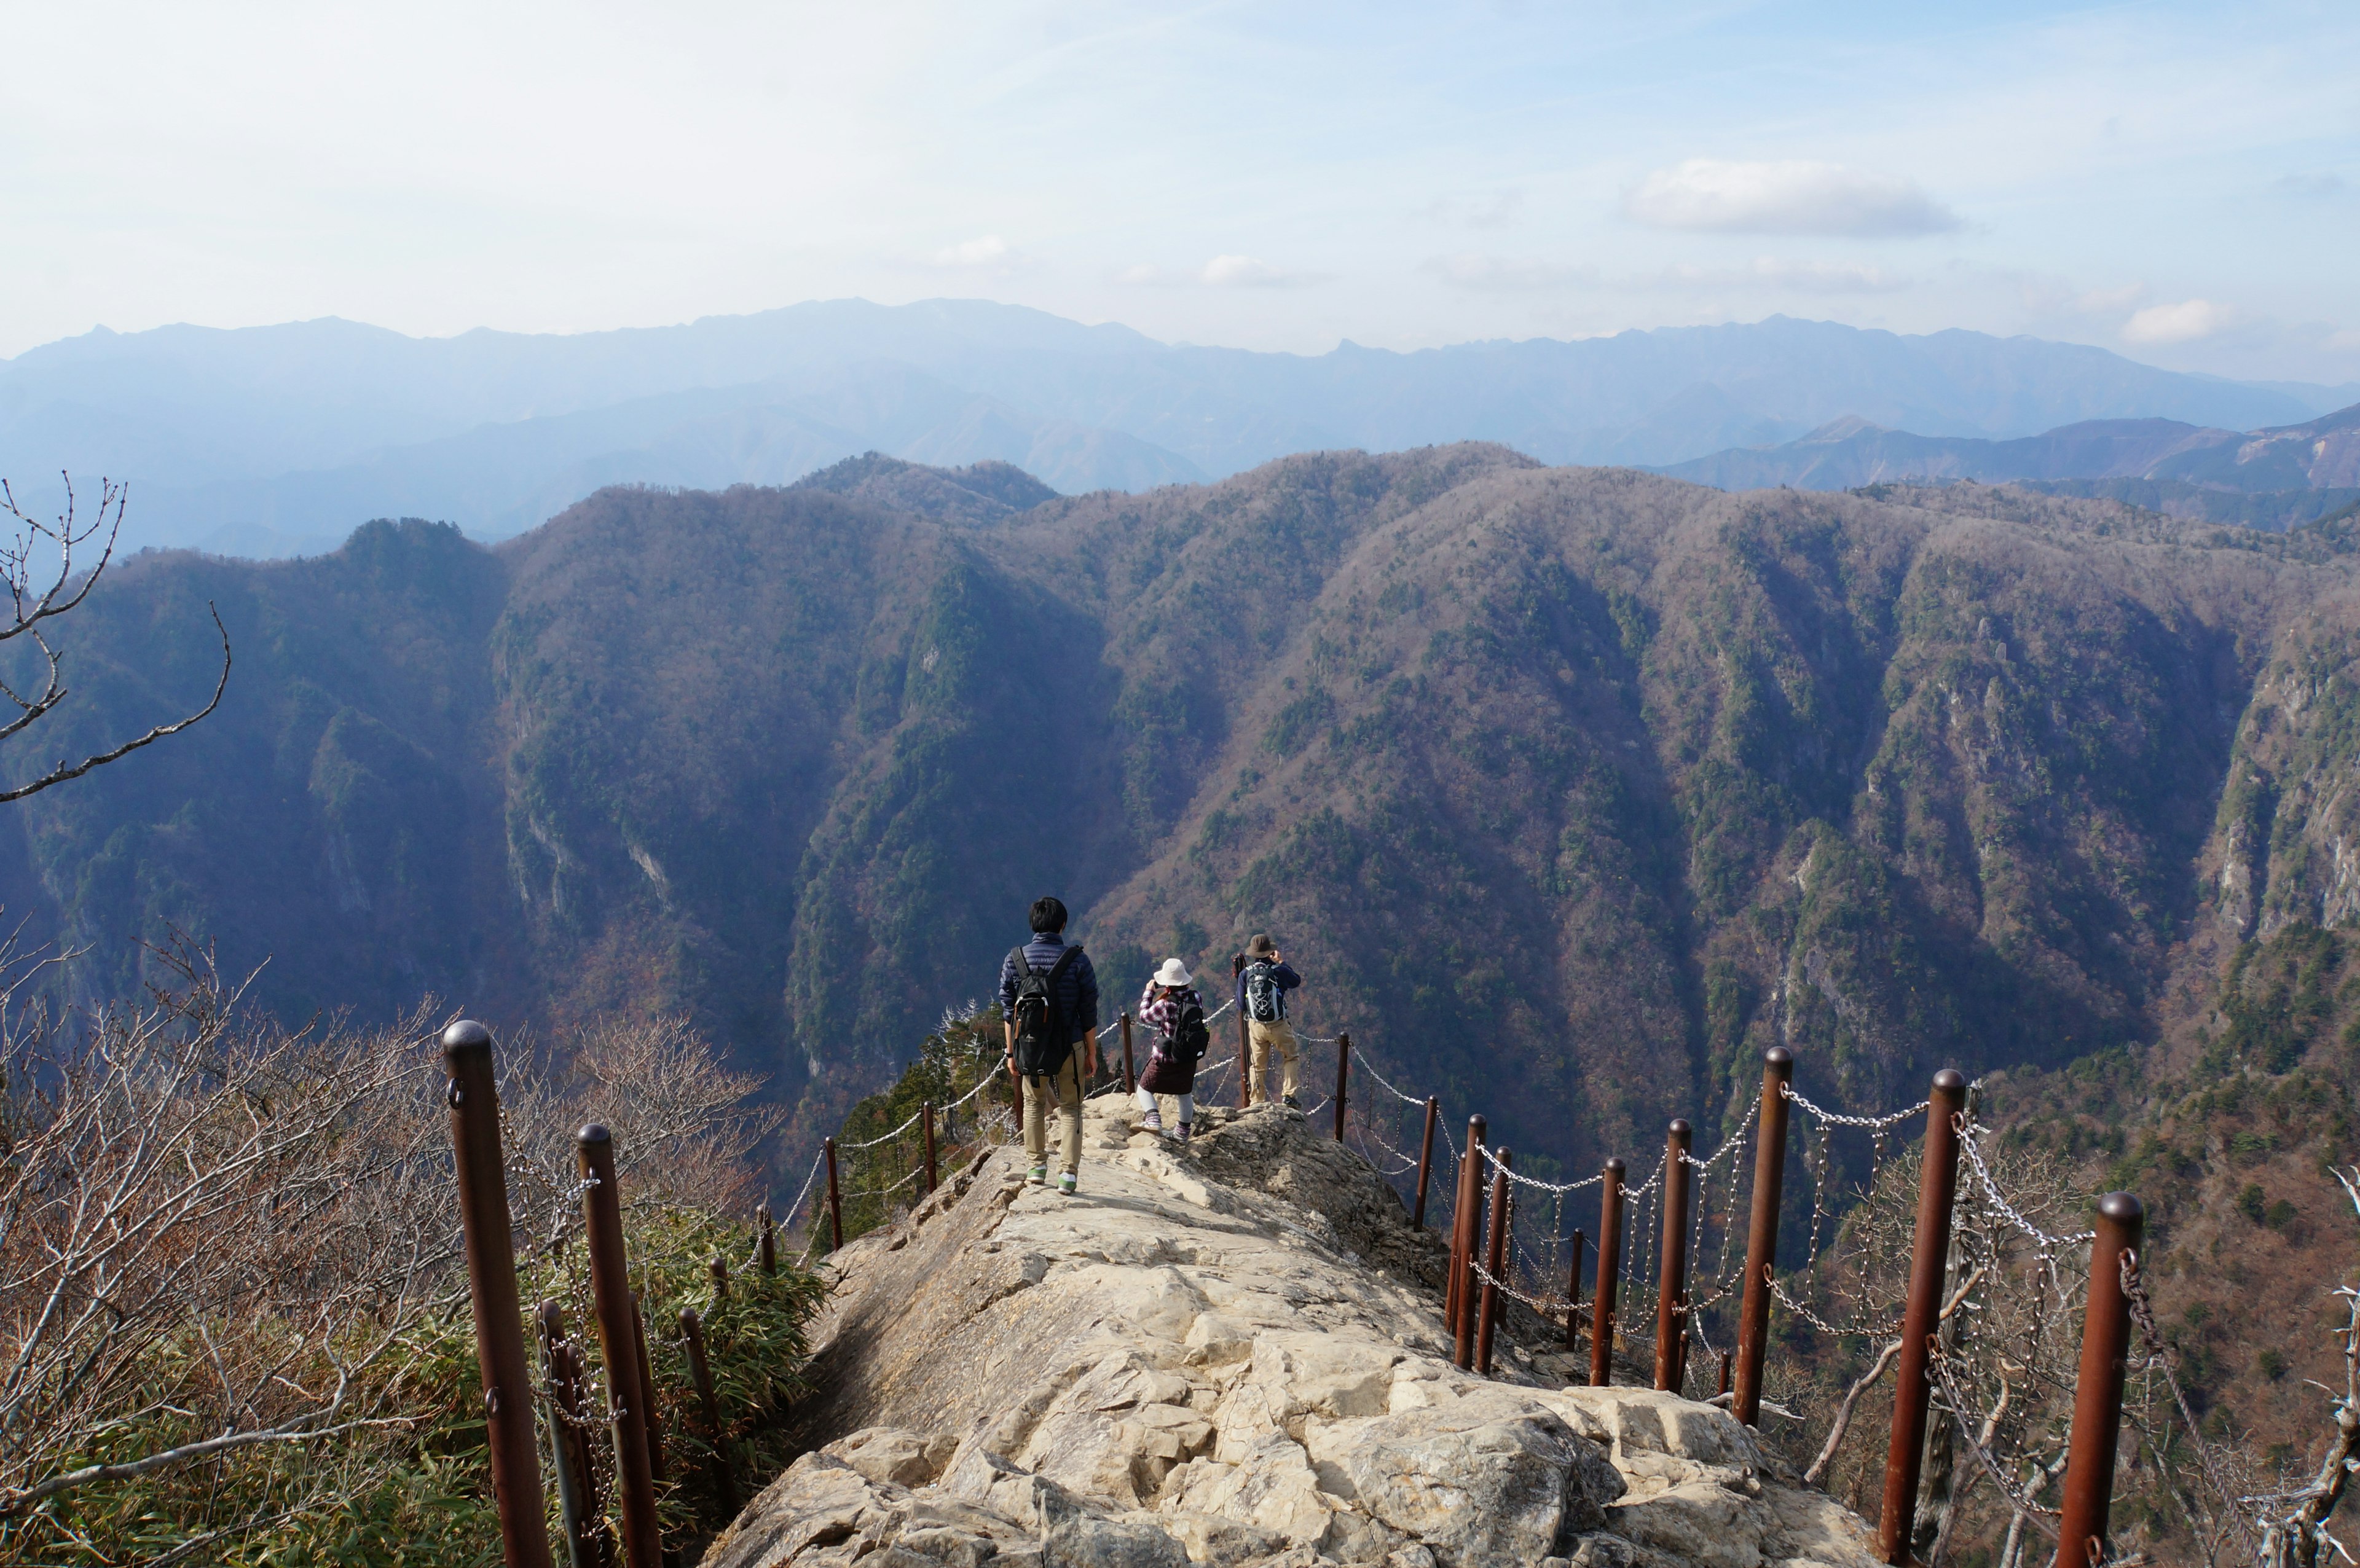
x=1787, y=198
x=1252, y=272
x=988, y=254
x=1775, y=272
x=1508, y=273
x=2183, y=322
x=1493, y=210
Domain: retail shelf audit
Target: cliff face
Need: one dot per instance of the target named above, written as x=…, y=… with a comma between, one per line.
x=1227, y=1353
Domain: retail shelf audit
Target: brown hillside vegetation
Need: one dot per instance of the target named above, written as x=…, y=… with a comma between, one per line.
x=1570, y=788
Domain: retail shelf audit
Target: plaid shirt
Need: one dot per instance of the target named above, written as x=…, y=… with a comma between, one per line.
x=1158, y=1009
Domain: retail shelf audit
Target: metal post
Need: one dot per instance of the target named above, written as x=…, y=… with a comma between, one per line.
x=1495, y=1248
x=1464, y=1222
x=700, y=1371
x=931, y=1175
x=569, y=1455
x=1425, y=1162
x=1573, y=1292
x=2098, y=1393
x=1343, y=1078
x=1609, y=1264
x=1672, y=1281
x=1762, y=1236
x=610, y=1292
x=769, y=1242
x=491, y=1288
x=1725, y=1359
x=1938, y=1186
x=719, y=1270
x=834, y=1203
x=1245, y=1051
x=657, y=1469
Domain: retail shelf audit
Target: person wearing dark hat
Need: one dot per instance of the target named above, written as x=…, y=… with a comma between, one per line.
x=1049, y=997
x=1263, y=986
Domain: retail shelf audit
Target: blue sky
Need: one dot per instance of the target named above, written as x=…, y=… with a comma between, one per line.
x=2180, y=183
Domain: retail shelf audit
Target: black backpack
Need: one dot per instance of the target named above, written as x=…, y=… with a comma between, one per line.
x=1190, y=1037
x=1263, y=1003
x=1040, y=1043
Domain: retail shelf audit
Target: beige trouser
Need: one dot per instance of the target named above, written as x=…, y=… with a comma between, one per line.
x=1067, y=1084
x=1265, y=1036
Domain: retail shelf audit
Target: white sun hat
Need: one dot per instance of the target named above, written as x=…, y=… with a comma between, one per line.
x=1173, y=972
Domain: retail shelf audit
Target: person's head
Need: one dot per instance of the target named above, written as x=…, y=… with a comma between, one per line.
x=1048, y=915
x=1261, y=946
x=1173, y=975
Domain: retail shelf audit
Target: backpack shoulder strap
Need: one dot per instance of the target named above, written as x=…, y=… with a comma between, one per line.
x=1023, y=964
x=1071, y=952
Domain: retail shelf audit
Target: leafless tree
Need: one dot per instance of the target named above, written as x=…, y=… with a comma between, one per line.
x=39, y=596
x=212, y=1234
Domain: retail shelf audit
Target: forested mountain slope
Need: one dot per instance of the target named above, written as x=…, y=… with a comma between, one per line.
x=1569, y=789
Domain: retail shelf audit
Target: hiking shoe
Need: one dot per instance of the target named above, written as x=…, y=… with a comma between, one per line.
x=1152, y=1121
x=1186, y=1132
x=1293, y=1103
x=1066, y=1183
x=1039, y=1177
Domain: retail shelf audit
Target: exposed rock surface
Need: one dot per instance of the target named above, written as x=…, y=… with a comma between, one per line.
x=1194, y=1361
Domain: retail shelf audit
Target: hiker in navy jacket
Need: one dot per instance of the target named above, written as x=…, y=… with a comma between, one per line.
x=1263, y=986
x=1073, y=987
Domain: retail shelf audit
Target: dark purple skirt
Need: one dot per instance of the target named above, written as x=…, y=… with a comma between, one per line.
x=1166, y=1077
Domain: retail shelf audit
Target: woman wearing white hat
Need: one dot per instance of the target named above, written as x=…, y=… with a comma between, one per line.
x=1171, y=1006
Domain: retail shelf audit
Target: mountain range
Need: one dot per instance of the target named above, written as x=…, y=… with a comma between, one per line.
x=2277, y=476
x=1570, y=788
x=277, y=441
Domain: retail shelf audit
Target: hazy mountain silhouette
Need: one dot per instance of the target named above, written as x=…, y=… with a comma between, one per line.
x=278, y=439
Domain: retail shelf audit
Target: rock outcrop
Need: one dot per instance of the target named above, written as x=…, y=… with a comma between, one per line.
x=1227, y=1353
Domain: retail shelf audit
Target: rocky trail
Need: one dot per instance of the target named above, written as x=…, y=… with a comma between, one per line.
x=1227, y=1355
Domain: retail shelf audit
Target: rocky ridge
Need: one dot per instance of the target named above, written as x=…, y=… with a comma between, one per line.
x=1227, y=1353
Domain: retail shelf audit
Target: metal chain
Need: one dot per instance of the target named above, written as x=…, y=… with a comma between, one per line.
x=1836, y=1119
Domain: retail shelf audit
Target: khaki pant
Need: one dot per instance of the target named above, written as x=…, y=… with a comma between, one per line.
x=1067, y=1085
x=1265, y=1036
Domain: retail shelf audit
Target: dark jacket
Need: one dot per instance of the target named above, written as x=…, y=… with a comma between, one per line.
x=1282, y=976
x=1076, y=991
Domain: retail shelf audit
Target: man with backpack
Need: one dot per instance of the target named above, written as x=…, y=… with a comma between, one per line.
x=1049, y=997
x=1263, y=986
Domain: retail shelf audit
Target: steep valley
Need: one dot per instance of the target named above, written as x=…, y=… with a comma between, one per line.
x=1571, y=789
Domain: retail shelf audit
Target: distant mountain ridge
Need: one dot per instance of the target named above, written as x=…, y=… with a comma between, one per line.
x=278, y=439
x=2170, y=463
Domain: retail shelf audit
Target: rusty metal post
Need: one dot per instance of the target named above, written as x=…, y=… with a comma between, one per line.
x=657, y=1470
x=834, y=1203
x=1762, y=1235
x=1672, y=1281
x=1610, y=1267
x=1725, y=1359
x=1938, y=1187
x=1245, y=1046
x=1573, y=1292
x=1495, y=1265
x=569, y=1455
x=1343, y=1077
x=610, y=1294
x=769, y=1242
x=1425, y=1162
x=1464, y=1220
x=491, y=1290
x=700, y=1372
x=930, y=1174
x=2098, y=1393
x=718, y=1270
x=1130, y=1079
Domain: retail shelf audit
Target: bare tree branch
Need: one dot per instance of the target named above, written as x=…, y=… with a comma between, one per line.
x=63, y=593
